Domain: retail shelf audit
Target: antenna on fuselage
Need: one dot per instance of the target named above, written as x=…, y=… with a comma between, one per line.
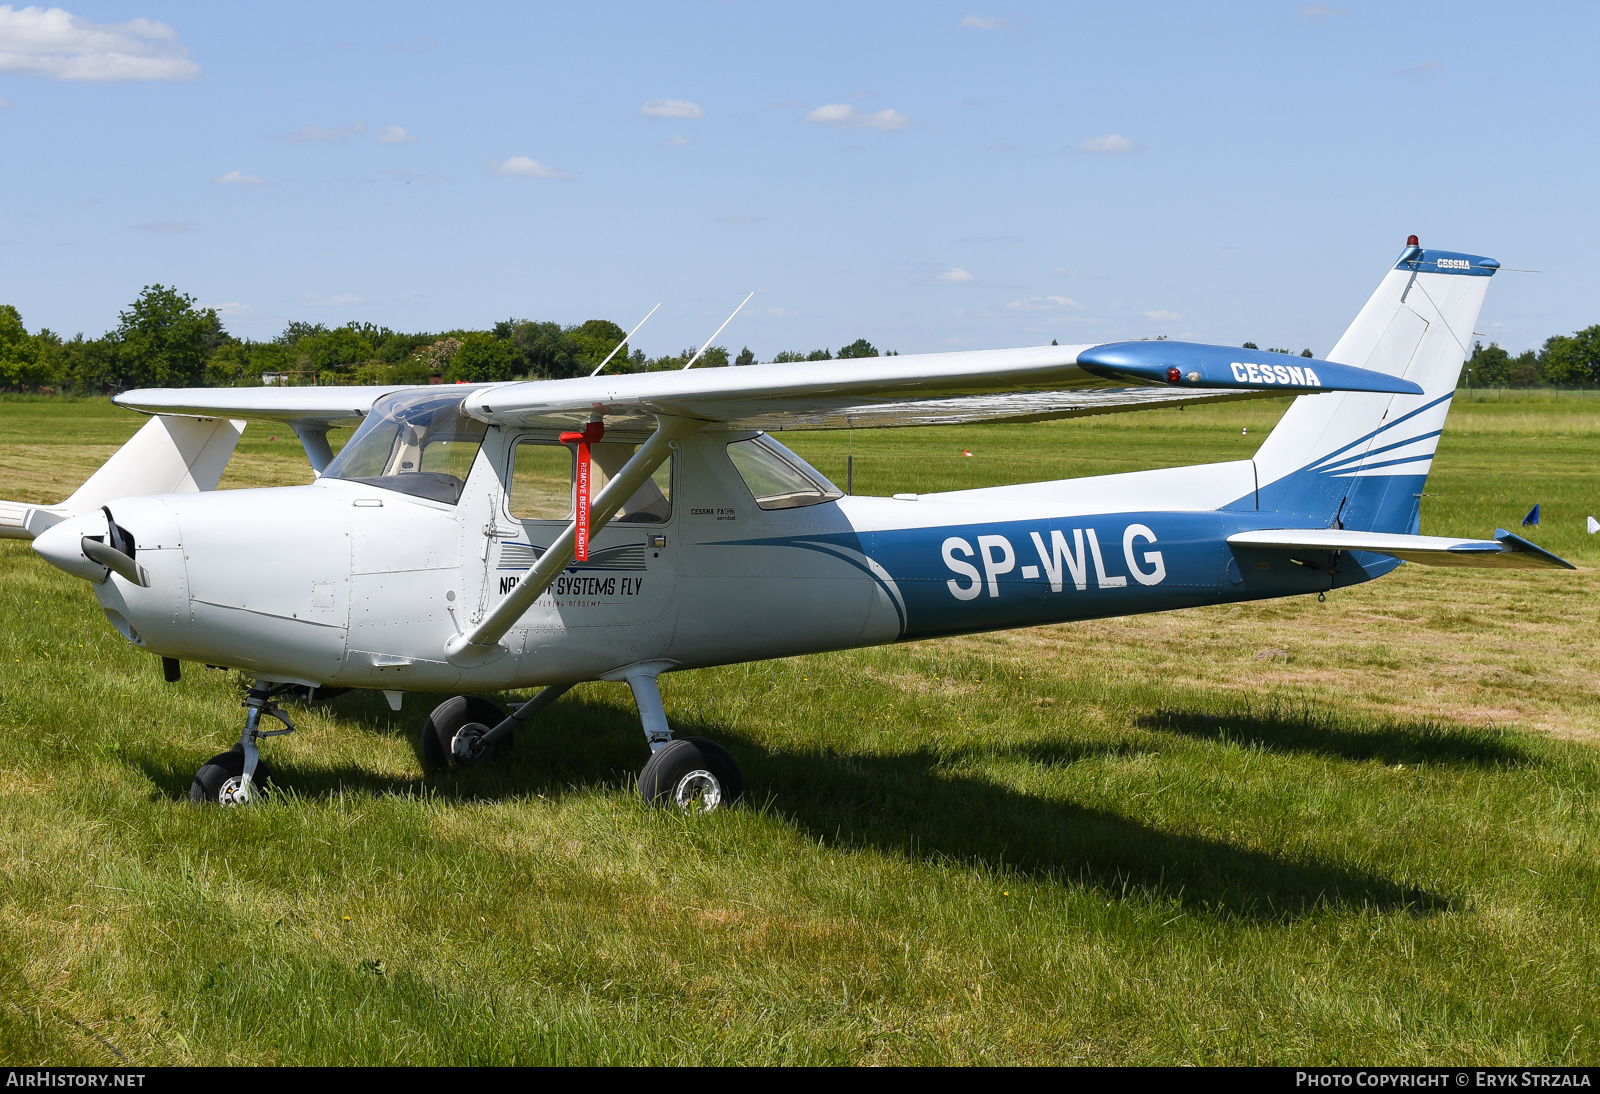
x=718, y=331
x=624, y=342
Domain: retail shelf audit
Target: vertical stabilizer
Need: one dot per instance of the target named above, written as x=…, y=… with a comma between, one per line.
x=1359, y=460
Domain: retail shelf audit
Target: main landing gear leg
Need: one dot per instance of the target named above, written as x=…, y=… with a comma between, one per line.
x=238, y=777
x=692, y=773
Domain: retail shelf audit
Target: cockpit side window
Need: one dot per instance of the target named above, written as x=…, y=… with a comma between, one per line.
x=777, y=478
x=417, y=442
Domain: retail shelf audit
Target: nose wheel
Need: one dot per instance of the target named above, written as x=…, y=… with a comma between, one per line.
x=238, y=777
x=220, y=780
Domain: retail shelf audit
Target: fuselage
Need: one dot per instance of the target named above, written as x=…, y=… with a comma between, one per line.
x=343, y=583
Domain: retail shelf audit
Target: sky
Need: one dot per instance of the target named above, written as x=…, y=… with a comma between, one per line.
x=928, y=176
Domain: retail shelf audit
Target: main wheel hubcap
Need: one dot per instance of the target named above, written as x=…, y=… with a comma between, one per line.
x=698, y=792
x=467, y=745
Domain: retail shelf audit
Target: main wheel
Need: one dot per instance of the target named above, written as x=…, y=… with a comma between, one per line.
x=692, y=773
x=221, y=778
x=453, y=731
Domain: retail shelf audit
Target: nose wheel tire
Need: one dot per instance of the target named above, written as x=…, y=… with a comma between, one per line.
x=691, y=774
x=220, y=780
x=452, y=734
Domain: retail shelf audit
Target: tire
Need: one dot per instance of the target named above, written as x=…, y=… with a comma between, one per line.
x=216, y=772
x=693, y=774
x=448, y=718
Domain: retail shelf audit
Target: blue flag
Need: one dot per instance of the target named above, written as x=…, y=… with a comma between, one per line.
x=1532, y=517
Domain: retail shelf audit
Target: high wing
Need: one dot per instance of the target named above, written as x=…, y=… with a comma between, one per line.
x=1054, y=381
x=1505, y=551
x=325, y=406
x=1032, y=384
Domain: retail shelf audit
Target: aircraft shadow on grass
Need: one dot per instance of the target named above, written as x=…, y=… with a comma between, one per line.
x=911, y=803
x=1308, y=731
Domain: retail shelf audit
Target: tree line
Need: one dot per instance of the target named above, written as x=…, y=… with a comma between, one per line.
x=164, y=339
x=1563, y=361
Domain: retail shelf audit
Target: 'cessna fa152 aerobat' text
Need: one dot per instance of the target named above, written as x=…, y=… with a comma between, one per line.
x=497, y=536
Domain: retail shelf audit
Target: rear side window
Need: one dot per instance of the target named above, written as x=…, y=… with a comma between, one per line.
x=776, y=477
x=542, y=482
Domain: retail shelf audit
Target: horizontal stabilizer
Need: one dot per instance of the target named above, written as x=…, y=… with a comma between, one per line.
x=1505, y=551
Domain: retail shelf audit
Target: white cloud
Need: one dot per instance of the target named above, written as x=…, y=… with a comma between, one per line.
x=1044, y=303
x=58, y=45
x=671, y=108
x=844, y=116
x=955, y=275
x=230, y=310
x=676, y=142
x=342, y=300
x=1426, y=68
x=5, y=104
x=1160, y=316
x=983, y=22
x=524, y=167
x=394, y=134
x=1107, y=145
x=239, y=177
x=326, y=133
x=781, y=313
x=1315, y=12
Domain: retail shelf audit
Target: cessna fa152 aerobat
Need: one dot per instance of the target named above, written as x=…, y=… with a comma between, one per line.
x=487, y=537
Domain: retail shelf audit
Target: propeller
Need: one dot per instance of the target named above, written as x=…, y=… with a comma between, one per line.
x=115, y=561
x=115, y=551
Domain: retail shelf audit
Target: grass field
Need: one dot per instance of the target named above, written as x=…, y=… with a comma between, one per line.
x=1366, y=830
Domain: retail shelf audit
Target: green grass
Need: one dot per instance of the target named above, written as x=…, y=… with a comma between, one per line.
x=1135, y=840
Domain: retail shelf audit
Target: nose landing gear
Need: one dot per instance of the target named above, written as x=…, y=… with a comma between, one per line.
x=238, y=777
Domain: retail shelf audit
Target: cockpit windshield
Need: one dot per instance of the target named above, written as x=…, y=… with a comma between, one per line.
x=417, y=442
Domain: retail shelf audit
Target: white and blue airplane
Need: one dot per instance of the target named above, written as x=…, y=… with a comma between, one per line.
x=480, y=538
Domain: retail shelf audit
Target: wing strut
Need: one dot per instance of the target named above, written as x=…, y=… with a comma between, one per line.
x=718, y=331
x=482, y=644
